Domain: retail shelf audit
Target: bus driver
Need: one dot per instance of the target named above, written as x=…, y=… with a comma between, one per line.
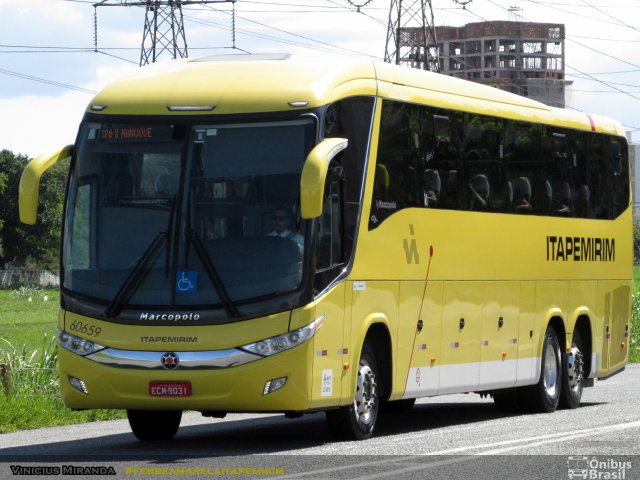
x=282, y=226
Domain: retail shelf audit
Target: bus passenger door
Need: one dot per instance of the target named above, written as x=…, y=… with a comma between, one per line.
x=461, y=332
x=499, y=342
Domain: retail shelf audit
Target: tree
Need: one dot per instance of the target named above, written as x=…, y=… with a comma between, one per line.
x=3, y=187
x=30, y=245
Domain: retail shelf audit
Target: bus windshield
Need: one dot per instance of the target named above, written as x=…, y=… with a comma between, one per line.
x=185, y=215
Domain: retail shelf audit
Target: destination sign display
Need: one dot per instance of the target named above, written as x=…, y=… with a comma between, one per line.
x=131, y=133
x=126, y=133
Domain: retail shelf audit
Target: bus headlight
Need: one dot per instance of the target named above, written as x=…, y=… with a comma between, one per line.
x=273, y=345
x=77, y=345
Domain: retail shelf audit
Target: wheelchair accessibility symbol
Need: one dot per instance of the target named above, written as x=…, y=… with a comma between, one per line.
x=186, y=281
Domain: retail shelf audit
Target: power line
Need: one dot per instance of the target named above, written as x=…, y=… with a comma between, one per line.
x=264, y=36
x=548, y=5
x=602, y=91
x=609, y=83
x=619, y=40
x=289, y=33
x=48, y=82
x=616, y=72
x=603, y=53
x=378, y=20
x=610, y=16
x=116, y=56
x=604, y=83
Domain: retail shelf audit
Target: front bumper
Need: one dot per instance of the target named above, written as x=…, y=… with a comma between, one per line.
x=214, y=387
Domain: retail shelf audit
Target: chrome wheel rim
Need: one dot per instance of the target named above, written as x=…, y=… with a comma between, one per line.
x=366, y=397
x=550, y=371
x=575, y=369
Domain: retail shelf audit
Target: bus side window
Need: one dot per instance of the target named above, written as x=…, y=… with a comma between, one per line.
x=82, y=234
x=397, y=176
x=525, y=170
x=597, y=178
x=484, y=163
x=329, y=255
x=560, y=167
x=441, y=162
x=619, y=175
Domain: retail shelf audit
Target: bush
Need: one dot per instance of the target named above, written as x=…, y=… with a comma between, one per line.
x=35, y=372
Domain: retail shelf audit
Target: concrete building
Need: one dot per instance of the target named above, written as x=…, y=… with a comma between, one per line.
x=520, y=57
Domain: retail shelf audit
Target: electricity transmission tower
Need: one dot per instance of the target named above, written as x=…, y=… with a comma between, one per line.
x=411, y=35
x=163, y=26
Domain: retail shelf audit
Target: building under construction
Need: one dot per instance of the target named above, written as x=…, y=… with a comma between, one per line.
x=520, y=57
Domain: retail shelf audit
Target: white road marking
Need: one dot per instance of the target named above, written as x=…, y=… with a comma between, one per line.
x=470, y=451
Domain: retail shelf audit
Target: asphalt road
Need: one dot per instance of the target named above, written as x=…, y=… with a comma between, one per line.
x=455, y=436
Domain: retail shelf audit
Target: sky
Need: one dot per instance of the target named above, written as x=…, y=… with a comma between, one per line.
x=50, y=69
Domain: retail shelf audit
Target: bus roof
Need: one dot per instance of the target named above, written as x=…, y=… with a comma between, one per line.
x=249, y=83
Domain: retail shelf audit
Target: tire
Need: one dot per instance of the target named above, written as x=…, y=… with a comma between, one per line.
x=358, y=420
x=573, y=373
x=154, y=425
x=545, y=395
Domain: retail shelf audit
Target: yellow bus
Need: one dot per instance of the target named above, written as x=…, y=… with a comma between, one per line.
x=263, y=233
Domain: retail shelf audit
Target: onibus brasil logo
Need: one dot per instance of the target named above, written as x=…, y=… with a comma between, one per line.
x=589, y=468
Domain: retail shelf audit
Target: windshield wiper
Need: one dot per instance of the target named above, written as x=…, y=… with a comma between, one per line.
x=213, y=274
x=142, y=267
x=137, y=275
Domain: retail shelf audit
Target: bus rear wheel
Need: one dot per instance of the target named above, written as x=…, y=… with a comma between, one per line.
x=358, y=420
x=154, y=425
x=545, y=395
x=573, y=374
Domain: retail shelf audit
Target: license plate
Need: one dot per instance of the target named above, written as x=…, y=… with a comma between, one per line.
x=170, y=389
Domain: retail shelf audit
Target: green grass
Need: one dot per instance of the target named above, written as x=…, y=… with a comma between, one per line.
x=24, y=322
x=40, y=411
x=28, y=345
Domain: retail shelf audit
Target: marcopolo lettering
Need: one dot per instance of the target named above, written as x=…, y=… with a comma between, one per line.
x=386, y=205
x=581, y=249
x=169, y=317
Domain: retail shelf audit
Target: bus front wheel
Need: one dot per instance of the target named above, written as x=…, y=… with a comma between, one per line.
x=154, y=425
x=545, y=395
x=358, y=420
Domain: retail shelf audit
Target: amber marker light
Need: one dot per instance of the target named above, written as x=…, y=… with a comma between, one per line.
x=504, y=355
x=433, y=359
x=622, y=344
x=345, y=366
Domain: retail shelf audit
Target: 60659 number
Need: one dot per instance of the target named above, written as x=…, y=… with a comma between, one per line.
x=85, y=328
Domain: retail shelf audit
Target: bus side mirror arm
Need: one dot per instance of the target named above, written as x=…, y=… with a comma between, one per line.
x=30, y=182
x=314, y=175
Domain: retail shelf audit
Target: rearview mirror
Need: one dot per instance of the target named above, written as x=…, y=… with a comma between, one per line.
x=30, y=182
x=314, y=175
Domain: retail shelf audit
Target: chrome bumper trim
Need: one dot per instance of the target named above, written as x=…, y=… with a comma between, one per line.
x=187, y=360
